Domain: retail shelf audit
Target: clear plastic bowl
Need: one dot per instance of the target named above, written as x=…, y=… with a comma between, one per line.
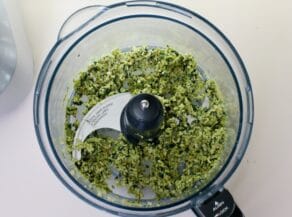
x=124, y=25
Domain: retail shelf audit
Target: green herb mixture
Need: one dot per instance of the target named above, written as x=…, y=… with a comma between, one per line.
x=192, y=140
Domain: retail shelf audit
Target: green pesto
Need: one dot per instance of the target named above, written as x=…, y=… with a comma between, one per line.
x=191, y=144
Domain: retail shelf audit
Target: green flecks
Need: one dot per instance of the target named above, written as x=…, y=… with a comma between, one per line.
x=193, y=135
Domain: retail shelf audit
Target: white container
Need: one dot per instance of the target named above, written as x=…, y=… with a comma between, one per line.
x=16, y=64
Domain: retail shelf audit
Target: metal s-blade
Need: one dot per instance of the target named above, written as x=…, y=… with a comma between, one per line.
x=104, y=115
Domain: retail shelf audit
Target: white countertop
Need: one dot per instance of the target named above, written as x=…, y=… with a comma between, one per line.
x=261, y=31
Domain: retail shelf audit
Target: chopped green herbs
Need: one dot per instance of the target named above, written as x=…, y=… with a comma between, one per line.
x=192, y=141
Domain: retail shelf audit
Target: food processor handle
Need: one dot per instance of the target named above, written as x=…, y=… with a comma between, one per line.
x=79, y=19
x=221, y=204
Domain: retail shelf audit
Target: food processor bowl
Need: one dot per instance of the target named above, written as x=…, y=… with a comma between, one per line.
x=95, y=31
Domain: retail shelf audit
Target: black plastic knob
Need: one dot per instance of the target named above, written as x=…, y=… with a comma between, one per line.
x=141, y=118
